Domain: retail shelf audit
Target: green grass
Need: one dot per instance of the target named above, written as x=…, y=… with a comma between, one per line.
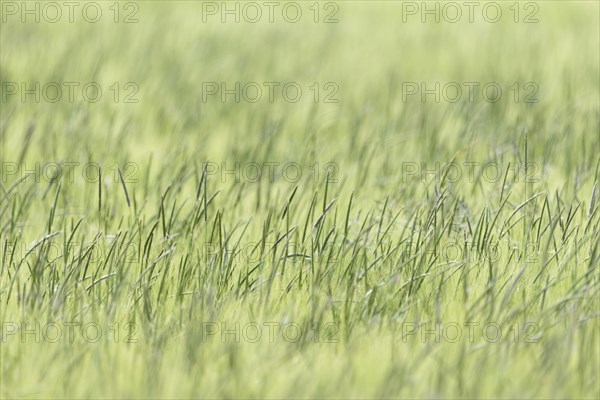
x=373, y=253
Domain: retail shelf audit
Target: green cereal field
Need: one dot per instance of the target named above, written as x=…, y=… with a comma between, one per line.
x=310, y=199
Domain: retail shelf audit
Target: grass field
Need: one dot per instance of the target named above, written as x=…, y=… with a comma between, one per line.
x=353, y=199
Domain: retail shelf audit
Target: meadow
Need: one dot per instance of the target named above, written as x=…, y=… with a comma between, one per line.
x=350, y=199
